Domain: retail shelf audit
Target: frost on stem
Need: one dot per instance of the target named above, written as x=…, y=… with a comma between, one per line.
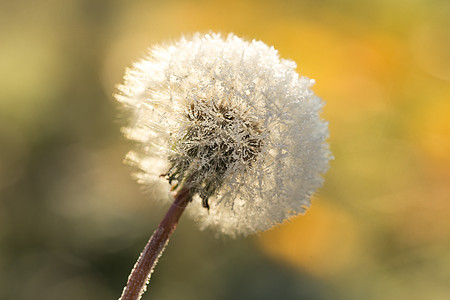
x=143, y=269
x=235, y=119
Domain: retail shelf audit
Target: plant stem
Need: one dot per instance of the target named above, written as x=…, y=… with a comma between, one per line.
x=140, y=275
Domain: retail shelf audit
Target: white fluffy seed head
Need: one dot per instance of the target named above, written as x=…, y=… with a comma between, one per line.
x=232, y=120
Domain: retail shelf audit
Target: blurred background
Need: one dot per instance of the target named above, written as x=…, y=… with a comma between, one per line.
x=72, y=221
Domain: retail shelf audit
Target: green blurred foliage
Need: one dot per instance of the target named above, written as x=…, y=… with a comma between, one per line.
x=72, y=221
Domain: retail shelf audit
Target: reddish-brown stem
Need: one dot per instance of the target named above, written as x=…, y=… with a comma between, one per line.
x=140, y=275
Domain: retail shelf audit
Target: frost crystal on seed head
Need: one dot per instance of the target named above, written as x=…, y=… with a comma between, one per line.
x=218, y=138
x=233, y=121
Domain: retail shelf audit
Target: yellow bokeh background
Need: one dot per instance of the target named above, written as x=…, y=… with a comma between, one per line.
x=73, y=220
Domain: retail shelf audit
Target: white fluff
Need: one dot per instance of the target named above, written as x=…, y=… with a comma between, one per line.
x=237, y=114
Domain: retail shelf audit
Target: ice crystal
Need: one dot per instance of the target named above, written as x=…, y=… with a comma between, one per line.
x=233, y=121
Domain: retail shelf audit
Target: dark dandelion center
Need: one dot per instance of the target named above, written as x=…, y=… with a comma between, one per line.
x=218, y=139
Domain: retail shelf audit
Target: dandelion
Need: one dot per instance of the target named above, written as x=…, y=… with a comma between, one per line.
x=230, y=128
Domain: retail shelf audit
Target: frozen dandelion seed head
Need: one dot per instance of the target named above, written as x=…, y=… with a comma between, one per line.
x=234, y=122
